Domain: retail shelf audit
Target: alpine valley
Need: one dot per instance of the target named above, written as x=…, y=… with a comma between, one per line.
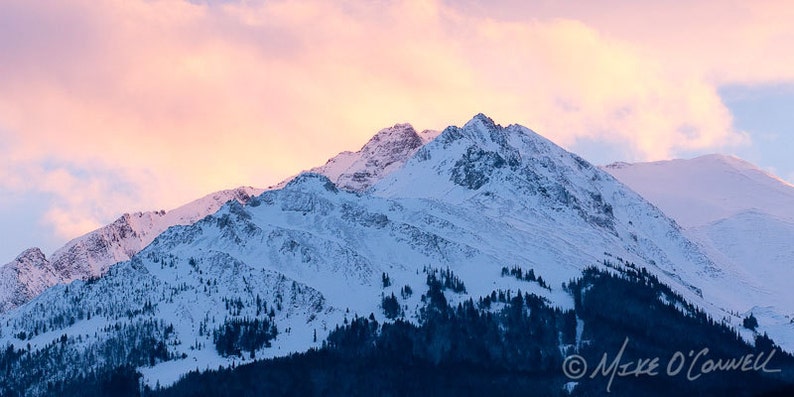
x=474, y=261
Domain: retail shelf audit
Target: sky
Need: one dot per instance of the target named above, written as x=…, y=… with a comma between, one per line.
x=131, y=105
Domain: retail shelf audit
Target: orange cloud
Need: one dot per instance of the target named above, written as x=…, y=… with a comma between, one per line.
x=123, y=105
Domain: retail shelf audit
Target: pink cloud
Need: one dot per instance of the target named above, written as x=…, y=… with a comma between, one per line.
x=172, y=99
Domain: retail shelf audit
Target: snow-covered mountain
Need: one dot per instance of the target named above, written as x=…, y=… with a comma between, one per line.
x=92, y=254
x=742, y=216
x=315, y=254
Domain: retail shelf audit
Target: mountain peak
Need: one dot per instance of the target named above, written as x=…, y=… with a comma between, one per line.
x=391, y=143
x=482, y=130
x=398, y=130
x=382, y=154
x=31, y=255
x=482, y=121
x=308, y=181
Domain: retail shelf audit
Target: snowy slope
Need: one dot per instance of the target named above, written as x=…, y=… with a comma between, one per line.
x=92, y=254
x=474, y=199
x=743, y=218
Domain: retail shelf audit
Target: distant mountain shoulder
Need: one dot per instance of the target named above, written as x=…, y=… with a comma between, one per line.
x=705, y=189
x=742, y=216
